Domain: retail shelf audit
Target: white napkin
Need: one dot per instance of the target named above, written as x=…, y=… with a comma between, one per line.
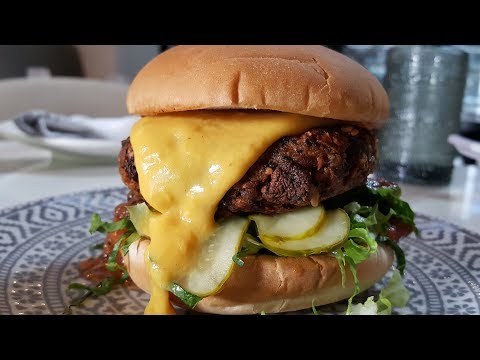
x=465, y=146
x=40, y=123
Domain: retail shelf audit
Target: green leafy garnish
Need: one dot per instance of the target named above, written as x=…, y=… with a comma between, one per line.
x=340, y=256
x=393, y=295
x=399, y=254
x=130, y=235
x=369, y=218
x=189, y=299
x=356, y=283
x=390, y=198
x=250, y=246
x=375, y=193
x=112, y=264
x=236, y=259
x=130, y=240
x=314, y=309
x=343, y=259
x=359, y=246
x=126, y=239
x=98, y=246
x=96, y=224
x=102, y=288
x=106, y=285
x=370, y=208
x=369, y=307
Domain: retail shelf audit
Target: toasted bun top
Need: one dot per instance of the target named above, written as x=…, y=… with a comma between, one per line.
x=309, y=80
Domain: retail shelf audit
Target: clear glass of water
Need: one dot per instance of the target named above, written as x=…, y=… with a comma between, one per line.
x=426, y=86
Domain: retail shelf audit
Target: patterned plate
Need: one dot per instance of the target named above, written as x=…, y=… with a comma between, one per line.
x=41, y=244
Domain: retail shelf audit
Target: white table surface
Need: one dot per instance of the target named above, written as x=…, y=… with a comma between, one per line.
x=28, y=174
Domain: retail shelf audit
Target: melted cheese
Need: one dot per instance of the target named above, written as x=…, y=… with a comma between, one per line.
x=186, y=162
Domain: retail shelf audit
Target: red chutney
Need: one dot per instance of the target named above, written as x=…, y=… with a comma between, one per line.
x=398, y=229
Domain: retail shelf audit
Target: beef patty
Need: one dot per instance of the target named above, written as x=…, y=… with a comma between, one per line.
x=295, y=171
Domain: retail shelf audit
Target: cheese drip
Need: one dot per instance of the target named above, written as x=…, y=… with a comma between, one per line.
x=186, y=162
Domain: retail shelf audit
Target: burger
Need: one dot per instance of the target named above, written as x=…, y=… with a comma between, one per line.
x=248, y=176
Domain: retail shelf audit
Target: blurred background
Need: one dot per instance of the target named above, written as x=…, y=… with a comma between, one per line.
x=432, y=88
x=107, y=62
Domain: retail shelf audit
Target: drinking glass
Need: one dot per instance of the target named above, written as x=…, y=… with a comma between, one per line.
x=425, y=85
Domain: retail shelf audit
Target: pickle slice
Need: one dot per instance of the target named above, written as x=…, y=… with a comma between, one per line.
x=333, y=231
x=215, y=264
x=140, y=217
x=298, y=224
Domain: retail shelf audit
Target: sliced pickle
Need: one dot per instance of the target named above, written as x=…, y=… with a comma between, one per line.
x=140, y=217
x=297, y=224
x=251, y=245
x=215, y=263
x=332, y=232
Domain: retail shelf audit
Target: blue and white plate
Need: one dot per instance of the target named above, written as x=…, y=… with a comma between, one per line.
x=42, y=243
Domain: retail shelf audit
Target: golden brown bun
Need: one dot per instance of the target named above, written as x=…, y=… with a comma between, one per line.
x=277, y=284
x=310, y=80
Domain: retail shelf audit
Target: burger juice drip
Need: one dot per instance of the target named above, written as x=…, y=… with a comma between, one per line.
x=186, y=162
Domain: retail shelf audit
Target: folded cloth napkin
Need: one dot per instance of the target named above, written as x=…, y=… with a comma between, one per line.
x=465, y=146
x=42, y=123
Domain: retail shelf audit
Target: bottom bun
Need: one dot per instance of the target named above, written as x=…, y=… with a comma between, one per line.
x=276, y=284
